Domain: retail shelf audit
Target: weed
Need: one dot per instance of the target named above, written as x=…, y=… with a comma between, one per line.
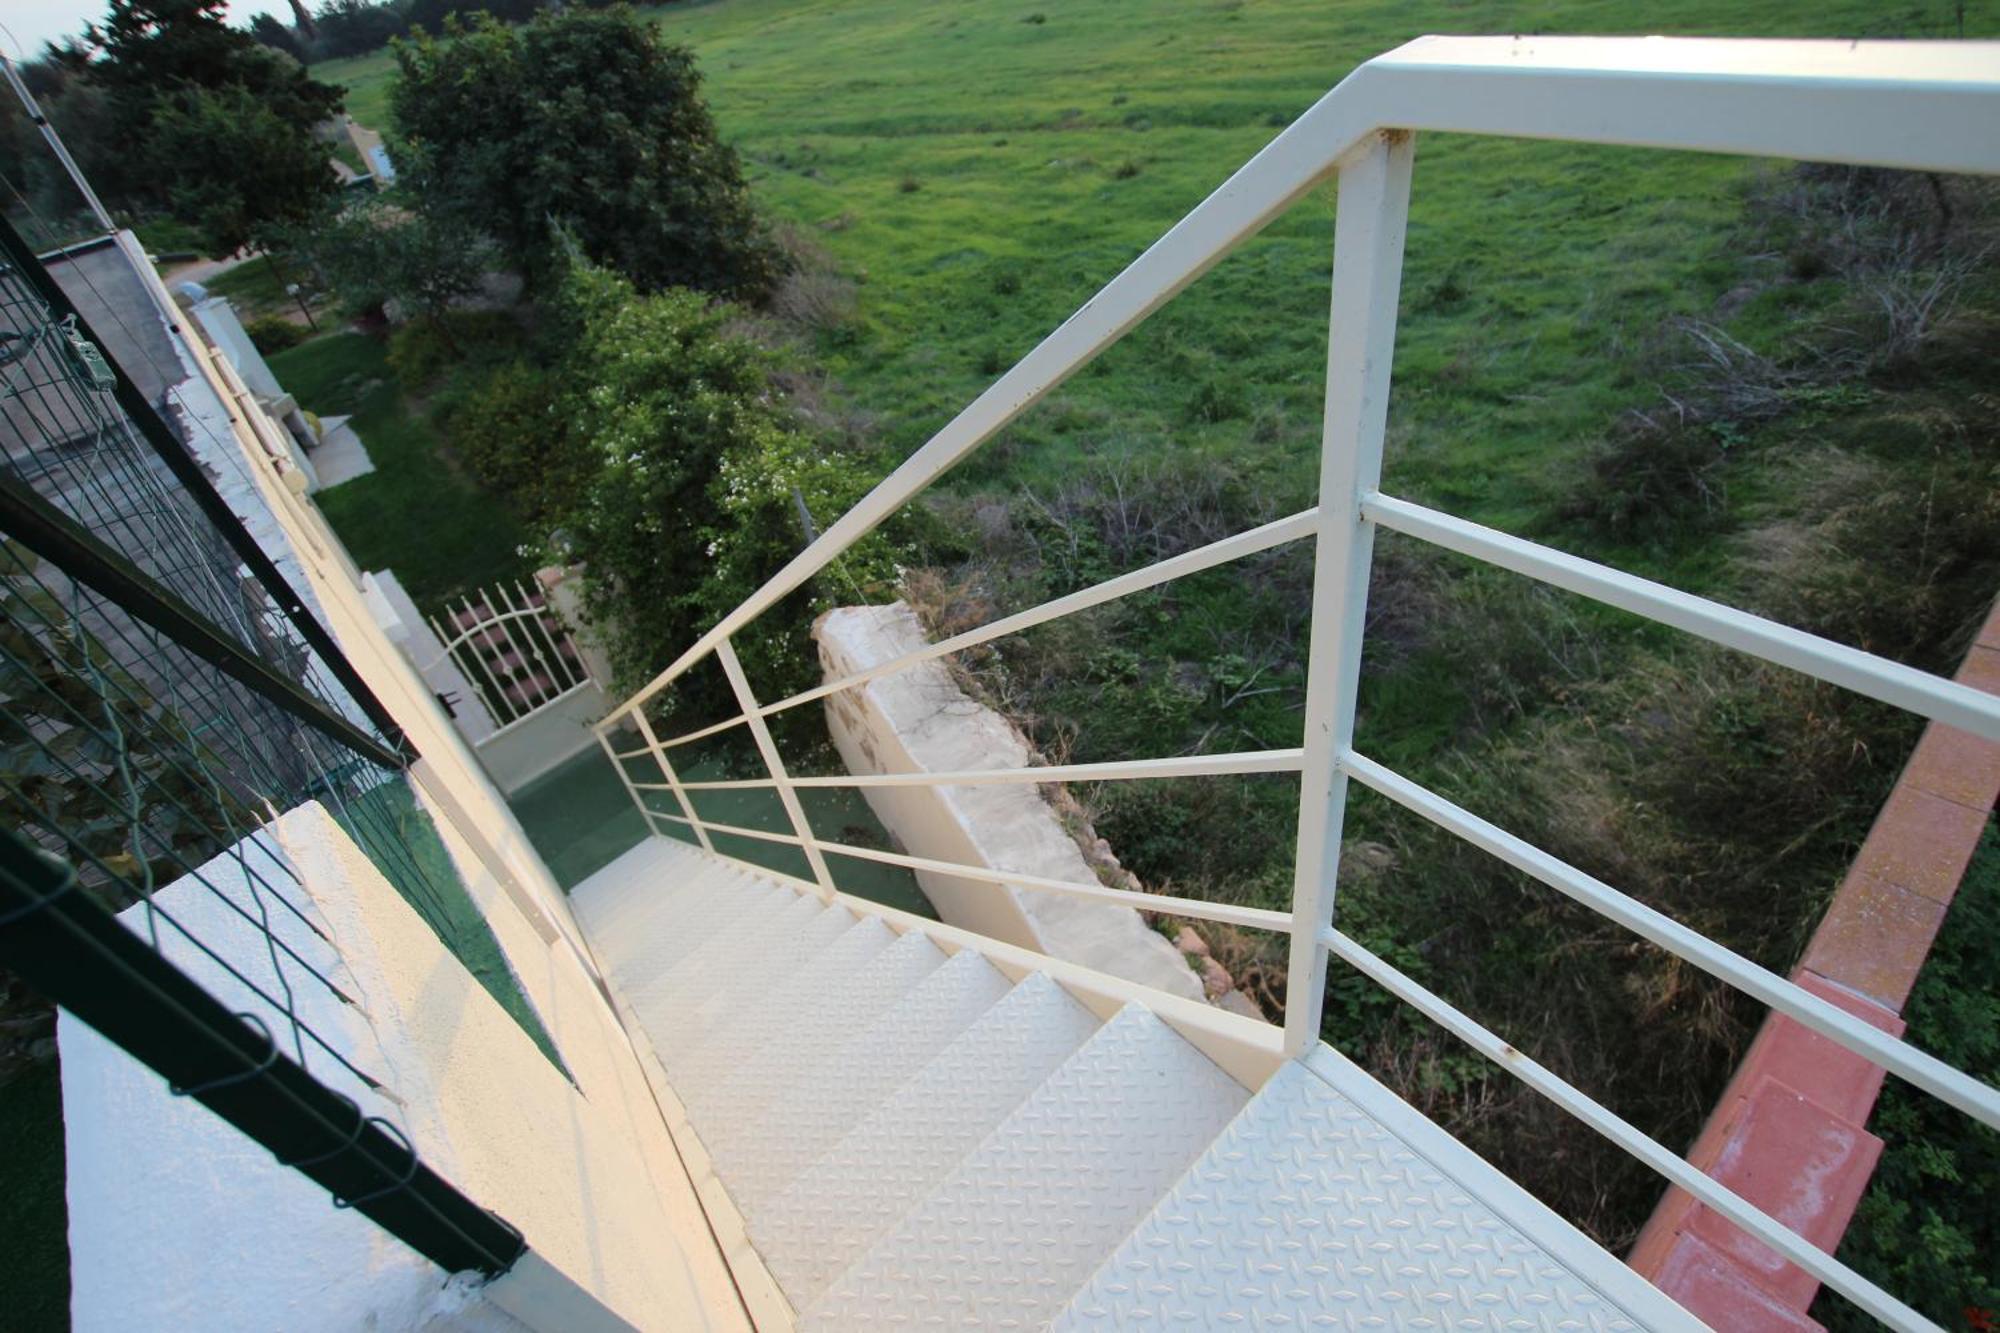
x=1217, y=400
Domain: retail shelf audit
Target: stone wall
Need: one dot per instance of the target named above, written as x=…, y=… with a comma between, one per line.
x=919, y=720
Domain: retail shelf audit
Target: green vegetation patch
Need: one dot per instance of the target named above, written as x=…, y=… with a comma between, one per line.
x=416, y=514
x=1928, y=1227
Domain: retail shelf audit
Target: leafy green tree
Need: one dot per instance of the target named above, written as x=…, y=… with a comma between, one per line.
x=277, y=36
x=355, y=27
x=170, y=109
x=231, y=168
x=685, y=476
x=401, y=248
x=592, y=121
x=151, y=49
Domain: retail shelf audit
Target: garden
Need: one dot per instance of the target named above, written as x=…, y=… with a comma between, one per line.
x=819, y=229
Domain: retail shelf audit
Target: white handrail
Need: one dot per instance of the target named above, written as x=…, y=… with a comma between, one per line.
x=1180, y=766
x=1915, y=105
x=1836, y=663
x=1628, y=1136
x=1927, y=105
x=1864, y=1039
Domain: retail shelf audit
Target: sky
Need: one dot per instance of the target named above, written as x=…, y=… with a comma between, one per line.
x=26, y=24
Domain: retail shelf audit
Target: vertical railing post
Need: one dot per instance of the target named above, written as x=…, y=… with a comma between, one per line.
x=725, y=652
x=659, y=753
x=1367, y=277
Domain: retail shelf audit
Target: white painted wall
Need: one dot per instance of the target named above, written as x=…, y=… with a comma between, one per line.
x=179, y=1222
x=918, y=721
x=521, y=901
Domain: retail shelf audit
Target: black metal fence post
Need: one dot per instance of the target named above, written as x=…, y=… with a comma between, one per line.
x=74, y=952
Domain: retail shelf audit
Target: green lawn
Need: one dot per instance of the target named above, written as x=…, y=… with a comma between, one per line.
x=415, y=514
x=366, y=79
x=257, y=288
x=983, y=170
x=979, y=172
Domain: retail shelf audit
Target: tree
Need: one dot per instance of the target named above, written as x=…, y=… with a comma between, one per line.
x=355, y=27
x=592, y=121
x=405, y=249
x=232, y=169
x=150, y=48
x=680, y=493
x=432, y=15
x=277, y=36
x=182, y=113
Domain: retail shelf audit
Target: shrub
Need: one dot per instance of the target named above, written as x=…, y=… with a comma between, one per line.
x=632, y=168
x=271, y=334
x=689, y=473
x=507, y=431
x=420, y=354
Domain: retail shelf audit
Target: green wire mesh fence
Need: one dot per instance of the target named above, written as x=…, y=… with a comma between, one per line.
x=164, y=695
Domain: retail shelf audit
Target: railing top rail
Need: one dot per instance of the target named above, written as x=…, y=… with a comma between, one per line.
x=1926, y=105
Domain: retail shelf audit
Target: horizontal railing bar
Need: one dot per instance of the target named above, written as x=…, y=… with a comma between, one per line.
x=703, y=733
x=1250, y=542
x=1871, y=1043
x=1189, y=766
x=533, y=713
x=1629, y=1137
x=641, y=753
x=789, y=839
x=1256, y=918
x=1836, y=663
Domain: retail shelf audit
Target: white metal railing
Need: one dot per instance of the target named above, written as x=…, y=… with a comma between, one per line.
x=513, y=648
x=1933, y=106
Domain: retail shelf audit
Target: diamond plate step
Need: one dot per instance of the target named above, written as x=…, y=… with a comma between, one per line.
x=833, y=1210
x=769, y=1020
x=723, y=1111
x=835, y=1087
x=1021, y=1223
x=1308, y=1213
x=722, y=976
x=641, y=930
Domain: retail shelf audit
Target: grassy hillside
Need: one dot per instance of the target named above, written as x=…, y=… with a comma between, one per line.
x=1675, y=362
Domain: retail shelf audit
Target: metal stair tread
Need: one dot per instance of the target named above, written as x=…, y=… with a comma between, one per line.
x=640, y=933
x=835, y=1087
x=1309, y=1212
x=868, y=1181
x=706, y=992
x=1022, y=1222
x=769, y=1019
x=731, y=1105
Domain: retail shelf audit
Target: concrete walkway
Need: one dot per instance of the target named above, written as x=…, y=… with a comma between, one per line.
x=339, y=456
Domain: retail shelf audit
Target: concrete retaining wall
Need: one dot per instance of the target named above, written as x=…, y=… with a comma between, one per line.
x=918, y=721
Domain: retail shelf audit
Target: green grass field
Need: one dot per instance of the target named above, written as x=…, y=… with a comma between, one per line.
x=415, y=514
x=978, y=172
x=983, y=170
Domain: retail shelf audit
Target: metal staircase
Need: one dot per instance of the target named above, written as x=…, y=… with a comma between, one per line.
x=917, y=1140
x=902, y=1139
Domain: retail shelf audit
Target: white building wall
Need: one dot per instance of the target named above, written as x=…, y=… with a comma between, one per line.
x=608, y=1136
x=177, y=1221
